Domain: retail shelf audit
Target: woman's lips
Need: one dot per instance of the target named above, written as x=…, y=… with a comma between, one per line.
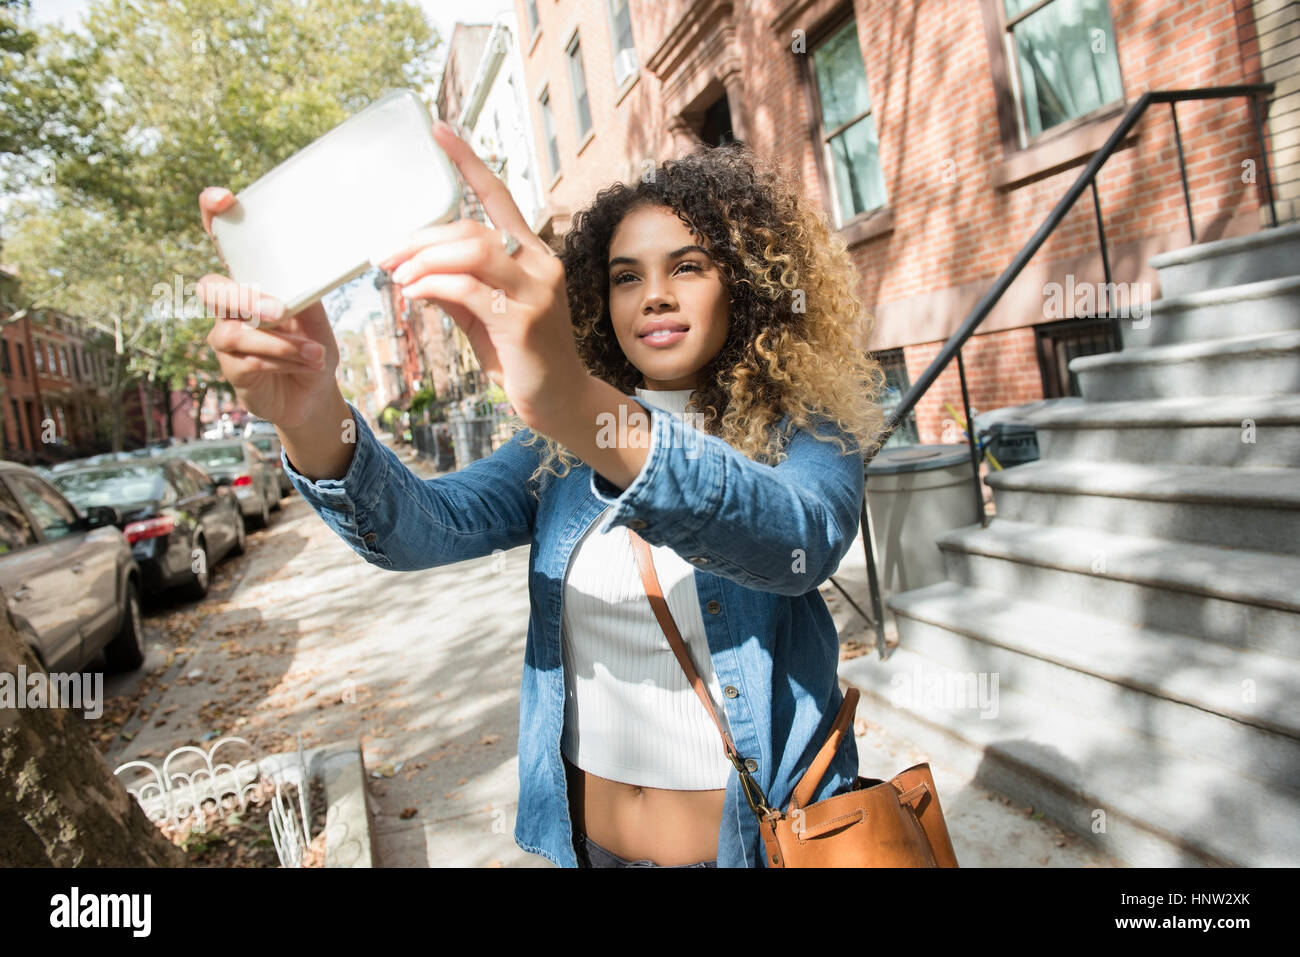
x=660, y=340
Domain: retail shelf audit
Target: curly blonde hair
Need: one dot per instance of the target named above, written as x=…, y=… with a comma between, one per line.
x=794, y=306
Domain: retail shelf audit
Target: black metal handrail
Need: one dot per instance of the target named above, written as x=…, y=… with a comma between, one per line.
x=952, y=348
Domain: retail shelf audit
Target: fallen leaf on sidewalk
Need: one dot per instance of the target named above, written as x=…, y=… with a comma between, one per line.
x=407, y=813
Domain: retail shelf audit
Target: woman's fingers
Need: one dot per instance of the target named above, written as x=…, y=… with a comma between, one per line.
x=228, y=299
x=480, y=257
x=488, y=187
x=239, y=368
x=444, y=232
x=214, y=200
x=241, y=339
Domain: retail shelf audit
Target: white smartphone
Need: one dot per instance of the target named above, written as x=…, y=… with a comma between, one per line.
x=314, y=221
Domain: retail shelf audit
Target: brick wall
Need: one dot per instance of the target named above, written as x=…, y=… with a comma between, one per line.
x=961, y=205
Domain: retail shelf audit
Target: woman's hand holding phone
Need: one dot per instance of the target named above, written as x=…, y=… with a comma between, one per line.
x=513, y=308
x=281, y=367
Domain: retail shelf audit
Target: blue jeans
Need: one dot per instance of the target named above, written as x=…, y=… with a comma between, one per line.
x=591, y=854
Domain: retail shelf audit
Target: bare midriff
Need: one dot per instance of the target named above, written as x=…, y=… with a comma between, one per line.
x=669, y=827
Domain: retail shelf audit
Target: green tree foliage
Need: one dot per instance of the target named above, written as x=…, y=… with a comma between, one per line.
x=124, y=123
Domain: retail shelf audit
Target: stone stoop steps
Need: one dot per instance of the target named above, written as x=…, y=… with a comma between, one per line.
x=1137, y=597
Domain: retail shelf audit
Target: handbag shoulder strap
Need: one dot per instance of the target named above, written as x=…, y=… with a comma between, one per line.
x=650, y=579
x=807, y=785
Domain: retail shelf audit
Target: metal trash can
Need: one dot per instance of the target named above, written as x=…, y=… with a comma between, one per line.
x=1009, y=433
x=914, y=494
x=444, y=454
x=473, y=439
x=422, y=436
x=1011, y=443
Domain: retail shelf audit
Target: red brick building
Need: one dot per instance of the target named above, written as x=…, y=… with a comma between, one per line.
x=938, y=135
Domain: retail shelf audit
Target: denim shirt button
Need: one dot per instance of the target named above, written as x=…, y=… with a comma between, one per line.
x=369, y=538
x=713, y=607
x=699, y=560
x=730, y=691
x=636, y=524
x=751, y=765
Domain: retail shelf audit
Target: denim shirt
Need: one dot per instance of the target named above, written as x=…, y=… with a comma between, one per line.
x=762, y=538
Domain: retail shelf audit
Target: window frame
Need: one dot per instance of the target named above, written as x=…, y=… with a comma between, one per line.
x=572, y=56
x=616, y=50
x=870, y=223
x=1067, y=144
x=550, y=132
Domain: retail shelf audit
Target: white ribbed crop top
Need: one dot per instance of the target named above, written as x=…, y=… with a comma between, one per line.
x=629, y=713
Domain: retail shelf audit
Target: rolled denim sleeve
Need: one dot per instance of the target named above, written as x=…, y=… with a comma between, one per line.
x=782, y=528
x=396, y=520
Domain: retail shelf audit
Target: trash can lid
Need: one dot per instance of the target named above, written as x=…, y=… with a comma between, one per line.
x=917, y=458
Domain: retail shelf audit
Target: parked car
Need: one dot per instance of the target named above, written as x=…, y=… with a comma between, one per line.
x=70, y=583
x=269, y=445
x=237, y=463
x=178, y=521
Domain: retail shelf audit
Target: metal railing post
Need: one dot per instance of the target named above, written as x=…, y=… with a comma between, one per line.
x=873, y=580
x=1182, y=171
x=1263, y=158
x=974, y=442
x=1105, y=265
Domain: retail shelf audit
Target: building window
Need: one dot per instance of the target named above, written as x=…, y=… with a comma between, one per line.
x=1064, y=64
x=63, y=361
x=1059, y=342
x=38, y=355
x=22, y=361
x=620, y=23
x=848, y=127
x=578, y=83
x=5, y=365
x=531, y=8
x=548, y=125
x=896, y=385
x=20, y=436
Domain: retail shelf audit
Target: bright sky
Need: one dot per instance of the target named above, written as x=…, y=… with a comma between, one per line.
x=441, y=13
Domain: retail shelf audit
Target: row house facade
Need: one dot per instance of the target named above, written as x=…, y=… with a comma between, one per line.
x=54, y=378
x=937, y=135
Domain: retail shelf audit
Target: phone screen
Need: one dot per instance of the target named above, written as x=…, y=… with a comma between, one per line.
x=314, y=221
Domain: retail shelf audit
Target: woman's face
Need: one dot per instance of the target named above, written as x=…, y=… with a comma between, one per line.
x=659, y=275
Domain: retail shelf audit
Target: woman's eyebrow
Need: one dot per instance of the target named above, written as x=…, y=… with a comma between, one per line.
x=617, y=260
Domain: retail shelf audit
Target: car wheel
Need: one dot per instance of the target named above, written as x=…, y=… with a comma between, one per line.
x=241, y=534
x=275, y=496
x=126, y=651
x=198, y=588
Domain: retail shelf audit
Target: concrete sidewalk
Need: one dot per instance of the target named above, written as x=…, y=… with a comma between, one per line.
x=314, y=640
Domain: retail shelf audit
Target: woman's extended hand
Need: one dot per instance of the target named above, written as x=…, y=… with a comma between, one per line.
x=514, y=309
x=281, y=367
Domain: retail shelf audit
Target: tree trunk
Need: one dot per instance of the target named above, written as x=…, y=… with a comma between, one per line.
x=115, y=407
x=60, y=804
x=198, y=396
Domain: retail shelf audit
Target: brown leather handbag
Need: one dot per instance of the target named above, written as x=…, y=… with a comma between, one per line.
x=895, y=823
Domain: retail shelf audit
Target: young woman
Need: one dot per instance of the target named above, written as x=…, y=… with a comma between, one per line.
x=694, y=363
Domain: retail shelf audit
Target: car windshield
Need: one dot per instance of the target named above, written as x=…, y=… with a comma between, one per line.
x=137, y=483
x=214, y=455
